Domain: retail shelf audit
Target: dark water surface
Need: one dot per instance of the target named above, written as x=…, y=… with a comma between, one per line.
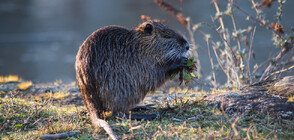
x=40, y=38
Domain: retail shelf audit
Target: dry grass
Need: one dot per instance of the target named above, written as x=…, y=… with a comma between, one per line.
x=29, y=119
x=9, y=78
x=25, y=85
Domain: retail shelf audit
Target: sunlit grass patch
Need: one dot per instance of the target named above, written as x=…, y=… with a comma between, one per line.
x=183, y=117
x=25, y=119
x=9, y=78
x=60, y=95
x=215, y=91
x=17, y=114
x=25, y=85
x=185, y=90
x=57, y=95
x=290, y=99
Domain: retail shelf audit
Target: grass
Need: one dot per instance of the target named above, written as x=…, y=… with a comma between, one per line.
x=9, y=78
x=25, y=85
x=23, y=118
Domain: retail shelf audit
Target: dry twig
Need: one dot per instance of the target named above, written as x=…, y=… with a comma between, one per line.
x=59, y=135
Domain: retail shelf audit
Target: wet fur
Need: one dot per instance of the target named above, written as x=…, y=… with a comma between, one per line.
x=117, y=67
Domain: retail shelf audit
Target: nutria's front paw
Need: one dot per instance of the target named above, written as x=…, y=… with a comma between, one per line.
x=179, y=63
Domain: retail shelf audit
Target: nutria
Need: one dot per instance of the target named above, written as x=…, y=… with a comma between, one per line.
x=117, y=67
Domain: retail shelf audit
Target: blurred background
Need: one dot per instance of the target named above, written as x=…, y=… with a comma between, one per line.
x=39, y=39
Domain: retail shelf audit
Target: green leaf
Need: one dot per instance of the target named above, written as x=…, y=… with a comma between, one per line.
x=192, y=74
x=173, y=75
x=190, y=62
x=186, y=76
x=18, y=126
x=191, y=59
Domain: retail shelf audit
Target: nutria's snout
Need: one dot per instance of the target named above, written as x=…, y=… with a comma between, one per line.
x=187, y=46
x=186, y=50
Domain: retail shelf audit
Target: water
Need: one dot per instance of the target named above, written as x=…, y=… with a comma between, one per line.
x=40, y=38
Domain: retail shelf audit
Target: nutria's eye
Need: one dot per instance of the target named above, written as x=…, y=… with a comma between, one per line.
x=148, y=29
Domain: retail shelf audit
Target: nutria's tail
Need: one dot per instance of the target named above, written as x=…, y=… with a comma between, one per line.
x=97, y=122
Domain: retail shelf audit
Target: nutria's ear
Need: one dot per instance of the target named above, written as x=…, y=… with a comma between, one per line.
x=148, y=29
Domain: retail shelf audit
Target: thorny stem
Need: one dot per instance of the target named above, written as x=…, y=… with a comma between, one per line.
x=280, y=71
x=194, y=48
x=227, y=45
x=216, y=55
x=249, y=54
x=219, y=63
x=258, y=21
x=254, y=7
x=231, y=57
x=211, y=63
x=234, y=25
x=282, y=53
x=235, y=28
x=281, y=3
x=238, y=41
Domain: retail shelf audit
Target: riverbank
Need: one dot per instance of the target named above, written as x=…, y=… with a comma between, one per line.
x=262, y=110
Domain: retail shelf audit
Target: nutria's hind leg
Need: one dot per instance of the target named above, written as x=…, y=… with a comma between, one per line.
x=147, y=117
x=97, y=122
x=143, y=107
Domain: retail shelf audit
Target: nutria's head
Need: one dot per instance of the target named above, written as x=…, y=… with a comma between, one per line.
x=159, y=41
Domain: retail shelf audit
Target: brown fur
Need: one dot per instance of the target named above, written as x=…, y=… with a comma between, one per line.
x=117, y=67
